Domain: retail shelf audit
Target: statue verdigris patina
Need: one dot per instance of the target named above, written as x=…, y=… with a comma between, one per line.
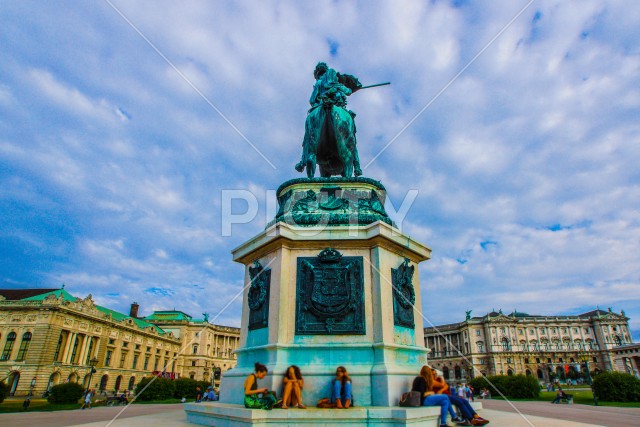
x=330, y=132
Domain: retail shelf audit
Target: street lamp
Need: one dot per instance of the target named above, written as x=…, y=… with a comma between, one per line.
x=92, y=363
x=585, y=359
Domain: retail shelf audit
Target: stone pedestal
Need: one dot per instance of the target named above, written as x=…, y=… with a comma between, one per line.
x=331, y=283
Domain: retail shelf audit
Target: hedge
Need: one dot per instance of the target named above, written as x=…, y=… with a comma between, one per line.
x=514, y=386
x=160, y=389
x=4, y=390
x=186, y=387
x=616, y=387
x=66, y=393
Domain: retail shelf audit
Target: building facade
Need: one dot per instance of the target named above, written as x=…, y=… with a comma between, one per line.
x=549, y=347
x=48, y=336
x=209, y=349
x=627, y=359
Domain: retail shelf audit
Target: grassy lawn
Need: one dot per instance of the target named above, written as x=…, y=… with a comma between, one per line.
x=153, y=402
x=15, y=405
x=581, y=397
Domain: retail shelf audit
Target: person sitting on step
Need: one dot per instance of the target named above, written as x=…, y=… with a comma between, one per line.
x=423, y=384
x=469, y=416
x=254, y=397
x=293, y=385
x=341, y=391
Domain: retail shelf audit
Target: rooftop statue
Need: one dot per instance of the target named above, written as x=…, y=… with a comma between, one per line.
x=330, y=132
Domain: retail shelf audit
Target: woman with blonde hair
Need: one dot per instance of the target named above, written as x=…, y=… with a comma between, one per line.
x=423, y=384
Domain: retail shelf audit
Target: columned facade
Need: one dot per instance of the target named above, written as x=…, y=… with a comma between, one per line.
x=548, y=347
x=48, y=336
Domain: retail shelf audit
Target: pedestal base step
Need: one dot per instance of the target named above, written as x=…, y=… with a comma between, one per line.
x=231, y=415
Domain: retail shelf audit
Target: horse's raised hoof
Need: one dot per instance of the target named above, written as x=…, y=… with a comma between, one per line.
x=299, y=166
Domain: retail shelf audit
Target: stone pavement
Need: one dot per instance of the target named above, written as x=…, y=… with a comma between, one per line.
x=77, y=416
x=498, y=419
x=599, y=415
x=537, y=414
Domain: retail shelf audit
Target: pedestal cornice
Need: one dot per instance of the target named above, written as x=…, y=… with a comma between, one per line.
x=377, y=234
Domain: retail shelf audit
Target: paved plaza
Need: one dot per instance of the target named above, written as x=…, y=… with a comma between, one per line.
x=501, y=414
x=597, y=415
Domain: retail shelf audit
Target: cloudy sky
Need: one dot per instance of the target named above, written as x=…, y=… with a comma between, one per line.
x=122, y=124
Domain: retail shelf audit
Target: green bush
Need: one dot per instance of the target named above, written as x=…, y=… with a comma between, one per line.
x=160, y=389
x=514, y=386
x=185, y=387
x=616, y=387
x=66, y=393
x=4, y=390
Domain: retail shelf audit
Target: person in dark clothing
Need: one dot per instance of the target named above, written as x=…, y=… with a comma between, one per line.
x=559, y=396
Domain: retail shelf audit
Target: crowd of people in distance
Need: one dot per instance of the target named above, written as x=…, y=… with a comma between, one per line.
x=433, y=389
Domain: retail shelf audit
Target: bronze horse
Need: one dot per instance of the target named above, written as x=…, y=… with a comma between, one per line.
x=330, y=143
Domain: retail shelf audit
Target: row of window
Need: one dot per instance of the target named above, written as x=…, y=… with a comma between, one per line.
x=543, y=330
x=195, y=348
x=134, y=362
x=9, y=343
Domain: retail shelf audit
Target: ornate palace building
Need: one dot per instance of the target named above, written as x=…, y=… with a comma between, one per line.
x=627, y=359
x=208, y=349
x=518, y=343
x=48, y=336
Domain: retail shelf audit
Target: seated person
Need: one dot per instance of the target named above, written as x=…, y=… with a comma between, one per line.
x=469, y=416
x=210, y=394
x=254, y=397
x=423, y=384
x=341, y=391
x=293, y=385
x=559, y=396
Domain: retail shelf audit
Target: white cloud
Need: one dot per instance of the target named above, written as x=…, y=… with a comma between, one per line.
x=120, y=164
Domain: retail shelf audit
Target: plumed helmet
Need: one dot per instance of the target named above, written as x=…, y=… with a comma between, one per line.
x=321, y=68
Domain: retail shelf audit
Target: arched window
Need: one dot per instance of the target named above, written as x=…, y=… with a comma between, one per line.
x=510, y=372
x=118, y=382
x=540, y=374
x=445, y=373
x=103, y=382
x=527, y=372
x=195, y=349
x=132, y=383
x=457, y=373
x=24, y=346
x=8, y=346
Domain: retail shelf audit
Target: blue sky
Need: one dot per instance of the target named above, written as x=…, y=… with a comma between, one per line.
x=112, y=165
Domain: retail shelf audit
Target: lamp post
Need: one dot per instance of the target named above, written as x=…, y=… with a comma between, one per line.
x=92, y=364
x=585, y=359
